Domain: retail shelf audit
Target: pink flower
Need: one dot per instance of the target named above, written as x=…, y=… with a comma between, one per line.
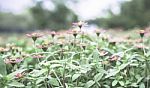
x=34, y=36
x=103, y=53
x=44, y=46
x=114, y=58
x=53, y=33
x=73, y=32
x=97, y=32
x=138, y=46
x=37, y=56
x=82, y=45
x=80, y=24
x=142, y=33
x=11, y=60
x=19, y=75
x=2, y=50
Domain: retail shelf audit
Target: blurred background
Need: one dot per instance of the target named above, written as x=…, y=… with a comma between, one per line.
x=27, y=15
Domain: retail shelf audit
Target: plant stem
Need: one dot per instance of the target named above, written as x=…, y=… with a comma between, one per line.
x=64, y=67
x=36, y=51
x=64, y=71
x=57, y=78
x=146, y=63
x=47, y=77
x=143, y=47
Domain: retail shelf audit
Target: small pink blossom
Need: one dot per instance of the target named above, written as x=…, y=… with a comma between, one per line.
x=103, y=53
x=80, y=24
x=13, y=60
x=34, y=36
x=37, y=56
x=53, y=33
x=19, y=75
x=115, y=58
x=2, y=50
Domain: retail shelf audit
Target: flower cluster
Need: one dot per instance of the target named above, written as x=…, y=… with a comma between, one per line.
x=13, y=60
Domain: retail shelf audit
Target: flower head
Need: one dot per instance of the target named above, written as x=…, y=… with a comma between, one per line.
x=138, y=40
x=74, y=32
x=53, y=33
x=97, y=32
x=113, y=43
x=44, y=46
x=19, y=75
x=142, y=33
x=13, y=60
x=10, y=46
x=140, y=46
x=103, y=53
x=16, y=49
x=3, y=50
x=114, y=58
x=105, y=62
x=34, y=36
x=61, y=42
x=37, y=56
x=82, y=45
x=105, y=38
x=80, y=24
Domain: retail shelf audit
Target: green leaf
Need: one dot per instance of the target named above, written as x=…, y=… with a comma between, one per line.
x=53, y=81
x=55, y=65
x=1, y=75
x=112, y=72
x=40, y=80
x=98, y=76
x=140, y=79
x=87, y=37
x=114, y=83
x=106, y=86
x=75, y=76
x=89, y=84
x=2, y=67
x=123, y=66
x=72, y=66
x=16, y=84
x=134, y=85
x=96, y=55
x=121, y=83
x=37, y=73
x=142, y=85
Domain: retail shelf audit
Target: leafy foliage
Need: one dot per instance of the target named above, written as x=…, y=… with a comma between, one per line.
x=83, y=61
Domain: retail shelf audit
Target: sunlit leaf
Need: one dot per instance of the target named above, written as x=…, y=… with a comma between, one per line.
x=16, y=84
x=98, y=76
x=114, y=83
x=142, y=85
x=89, y=84
x=53, y=81
x=121, y=83
x=75, y=76
x=2, y=67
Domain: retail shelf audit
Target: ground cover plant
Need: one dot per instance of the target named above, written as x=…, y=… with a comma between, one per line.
x=75, y=59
